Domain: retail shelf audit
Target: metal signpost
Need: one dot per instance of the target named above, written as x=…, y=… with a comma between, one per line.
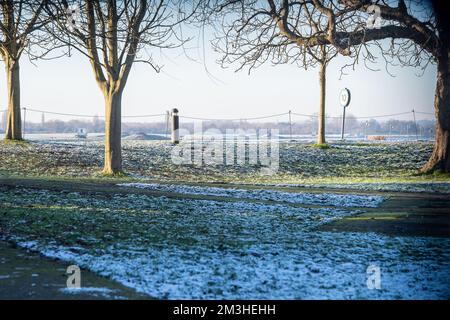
x=344, y=99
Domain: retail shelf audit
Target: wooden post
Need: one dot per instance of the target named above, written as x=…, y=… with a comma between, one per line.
x=343, y=125
x=175, y=127
x=167, y=123
x=415, y=123
x=366, y=126
x=3, y=113
x=290, y=126
x=24, y=121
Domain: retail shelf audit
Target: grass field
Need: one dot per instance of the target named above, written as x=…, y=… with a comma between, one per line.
x=300, y=163
x=309, y=232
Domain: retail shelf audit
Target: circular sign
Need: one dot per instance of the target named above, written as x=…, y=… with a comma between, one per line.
x=344, y=97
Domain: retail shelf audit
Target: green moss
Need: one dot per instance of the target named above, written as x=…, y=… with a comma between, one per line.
x=18, y=142
x=321, y=145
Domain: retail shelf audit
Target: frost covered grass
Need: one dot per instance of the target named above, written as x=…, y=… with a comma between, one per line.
x=192, y=249
x=104, y=293
x=300, y=163
x=326, y=199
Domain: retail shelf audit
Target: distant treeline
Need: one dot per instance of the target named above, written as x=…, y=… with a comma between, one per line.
x=354, y=126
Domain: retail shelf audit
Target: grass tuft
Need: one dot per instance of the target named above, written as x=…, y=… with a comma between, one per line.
x=119, y=174
x=321, y=145
x=20, y=142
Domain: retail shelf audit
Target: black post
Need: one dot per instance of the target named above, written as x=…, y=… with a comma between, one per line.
x=343, y=124
x=175, y=126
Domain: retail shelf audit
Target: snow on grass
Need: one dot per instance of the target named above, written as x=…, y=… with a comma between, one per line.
x=299, y=163
x=87, y=290
x=197, y=249
x=100, y=292
x=329, y=266
x=328, y=199
x=430, y=187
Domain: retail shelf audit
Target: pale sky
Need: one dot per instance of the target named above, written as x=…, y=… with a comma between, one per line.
x=67, y=85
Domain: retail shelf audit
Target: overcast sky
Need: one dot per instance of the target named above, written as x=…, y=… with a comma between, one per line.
x=68, y=85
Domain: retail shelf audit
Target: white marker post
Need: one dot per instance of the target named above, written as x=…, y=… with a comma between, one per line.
x=175, y=126
x=344, y=98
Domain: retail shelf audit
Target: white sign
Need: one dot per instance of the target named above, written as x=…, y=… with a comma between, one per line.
x=344, y=97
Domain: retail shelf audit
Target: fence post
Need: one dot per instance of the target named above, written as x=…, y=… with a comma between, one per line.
x=167, y=123
x=290, y=126
x=343, y=125
x=366, y=127
x=24, y=121
x=175, y=126
x=3, y=119
x=415, y=124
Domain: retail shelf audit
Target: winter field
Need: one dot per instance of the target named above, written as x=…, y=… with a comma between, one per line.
x=227, y=232
x=361, y=165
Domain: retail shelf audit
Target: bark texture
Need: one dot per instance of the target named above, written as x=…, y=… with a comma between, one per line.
x=321, y=118
x=113, y=132
x=439, y=159
x=14, y=121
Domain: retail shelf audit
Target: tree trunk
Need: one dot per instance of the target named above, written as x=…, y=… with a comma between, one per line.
x=113, y=131
x=321, y=118
x=14, y=121
x=439, y=159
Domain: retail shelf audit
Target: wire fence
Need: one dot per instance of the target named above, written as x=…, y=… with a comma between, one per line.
x=77, y=115
x=90, y=115
x=163, y=124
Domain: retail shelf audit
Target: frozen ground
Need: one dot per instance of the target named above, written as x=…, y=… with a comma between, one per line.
x=432, y=187
x=326, y=199
x=368, y=166
x=192, y=249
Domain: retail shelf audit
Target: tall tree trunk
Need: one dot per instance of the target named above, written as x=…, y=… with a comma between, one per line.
x=14, y=121
x=321, y=118
x=439, y=159
x=113, y=131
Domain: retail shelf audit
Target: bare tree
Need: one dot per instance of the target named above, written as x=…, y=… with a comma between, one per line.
x=19, y=21
x=418, y=36
x=113, y=35
x=251, y=38
x=324, y=57
x=410, y=33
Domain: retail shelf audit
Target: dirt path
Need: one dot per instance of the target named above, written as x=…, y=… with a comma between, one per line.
x=412, y=215
x=402, y=214
x=27, y=275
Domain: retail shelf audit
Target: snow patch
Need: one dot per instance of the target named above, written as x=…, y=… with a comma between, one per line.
x=322, y=266
x=328, y=199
